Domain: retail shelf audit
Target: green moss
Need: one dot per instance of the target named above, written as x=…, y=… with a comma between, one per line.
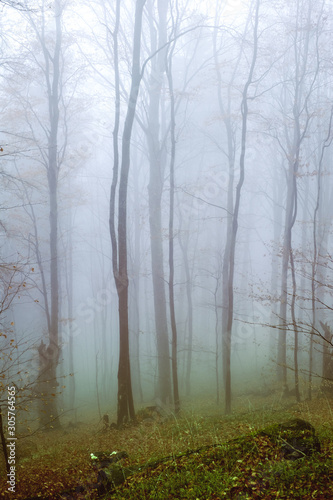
x=250, y=466
x=296, y=438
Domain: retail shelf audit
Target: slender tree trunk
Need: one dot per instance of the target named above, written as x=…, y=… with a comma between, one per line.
x=290, y=218
x=155, y=189
x=125, y=408
x=135, y=303
x=277, y=216
x=49, y=355
x=217, y=331
x=231, y=264
x=305, y=75
x=69, y=290
x=327, y=142
x=295, y=326
x=189, y=344
x=232, y=208
x=171, y=238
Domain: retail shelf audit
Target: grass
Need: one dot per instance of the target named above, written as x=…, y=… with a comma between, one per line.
x=232, y=460
x=249, y=468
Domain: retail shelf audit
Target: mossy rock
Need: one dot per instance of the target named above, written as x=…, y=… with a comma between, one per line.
x=109, y=478
x=296, y=438
x=105, y=458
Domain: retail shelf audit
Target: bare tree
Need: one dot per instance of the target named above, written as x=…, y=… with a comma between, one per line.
x=157, y=160
x=174, y=343
x=125, y=409
x=51, y=68
x=303, y=84
x=233, y=204
x=315, y=261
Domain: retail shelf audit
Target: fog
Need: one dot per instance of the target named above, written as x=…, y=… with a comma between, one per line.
x=166, y=204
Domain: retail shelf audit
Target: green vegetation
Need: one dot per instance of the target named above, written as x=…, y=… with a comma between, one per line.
x=198, y=455
x=247, y=467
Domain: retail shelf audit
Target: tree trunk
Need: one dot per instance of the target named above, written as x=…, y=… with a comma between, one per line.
x=134, y=317
x=301, y=120
x=290, y=217
x=125, y=410
x=69, y=291
x=49, y=356
x=189, y=344
x=171, y=238
x=229, y=286
x=295, y=326
x=155, y=189
x=315, y=259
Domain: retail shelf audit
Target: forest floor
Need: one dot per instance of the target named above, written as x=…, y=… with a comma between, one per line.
x=59, y=461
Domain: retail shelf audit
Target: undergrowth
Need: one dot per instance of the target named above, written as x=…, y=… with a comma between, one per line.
x=209, y=457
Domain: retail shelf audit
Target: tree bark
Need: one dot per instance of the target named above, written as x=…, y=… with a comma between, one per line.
x=301, y=120
x=229, y=291
x=171, y=238
x=49, y=356
x=189, y=344
x=125, y=409
x=155, y=189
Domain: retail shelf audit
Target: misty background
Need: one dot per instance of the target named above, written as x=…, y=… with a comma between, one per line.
x=230, y=160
